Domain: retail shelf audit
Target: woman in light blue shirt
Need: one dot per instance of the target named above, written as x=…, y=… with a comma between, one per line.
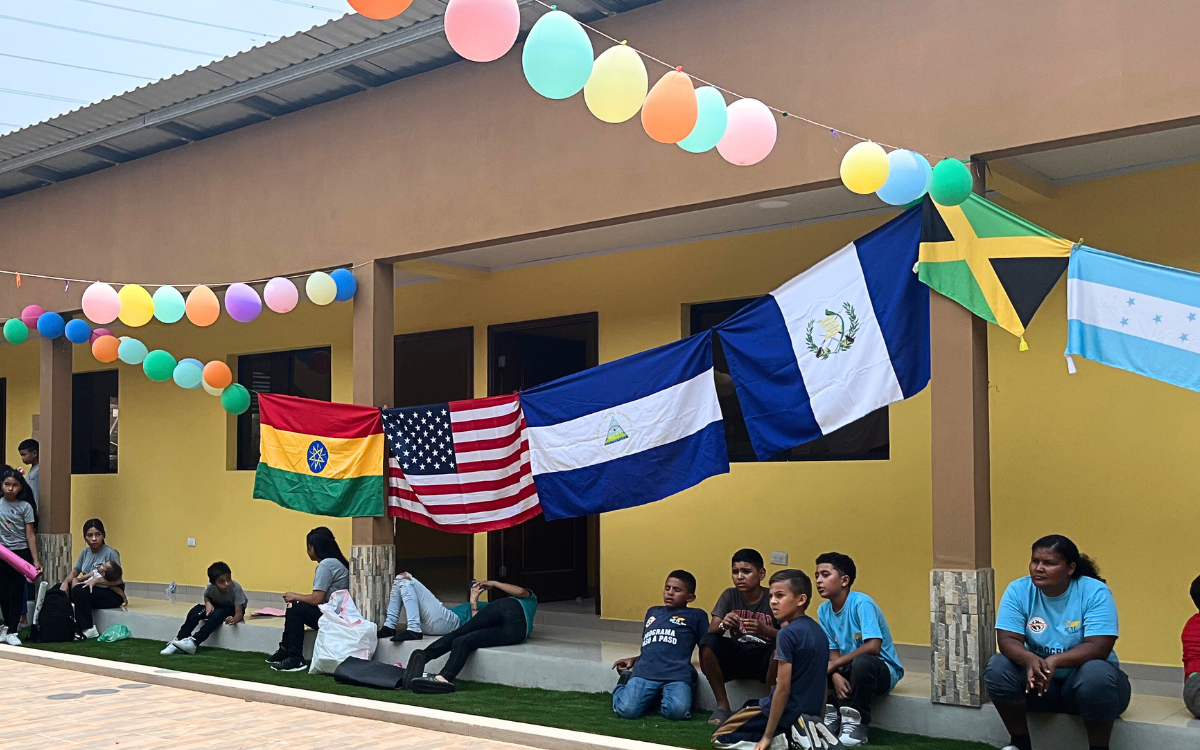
x=1056, y=629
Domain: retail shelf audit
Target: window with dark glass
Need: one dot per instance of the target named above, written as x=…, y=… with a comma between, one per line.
x=300, y=372
x=865, y=439
x=94, y=416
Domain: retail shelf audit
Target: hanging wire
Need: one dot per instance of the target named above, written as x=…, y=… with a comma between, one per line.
x=20, y=275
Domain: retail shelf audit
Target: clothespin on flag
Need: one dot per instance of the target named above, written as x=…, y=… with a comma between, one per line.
x=1070, y=364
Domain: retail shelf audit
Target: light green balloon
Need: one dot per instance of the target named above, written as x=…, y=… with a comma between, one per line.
x=15, y=331
x=158, y=365
x=168, y=304
x=131, y=351
x=711, y=121
x=235, y=399
x=952, y=183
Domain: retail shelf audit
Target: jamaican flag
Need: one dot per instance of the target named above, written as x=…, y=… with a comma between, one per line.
x=320, y=458
x=990, y=261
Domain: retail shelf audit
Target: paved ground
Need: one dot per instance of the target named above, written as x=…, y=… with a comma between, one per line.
x=56, y=709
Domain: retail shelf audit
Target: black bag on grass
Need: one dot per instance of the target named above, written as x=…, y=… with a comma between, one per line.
x=367, y=673
x=56, y=621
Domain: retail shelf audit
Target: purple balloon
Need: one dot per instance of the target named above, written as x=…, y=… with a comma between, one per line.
x=242, y=303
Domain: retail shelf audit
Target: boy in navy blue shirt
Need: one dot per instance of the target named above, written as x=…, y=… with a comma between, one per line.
x=663, y=672
x=794, y=706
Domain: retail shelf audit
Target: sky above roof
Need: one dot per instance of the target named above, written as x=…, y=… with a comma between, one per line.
x=59, y=55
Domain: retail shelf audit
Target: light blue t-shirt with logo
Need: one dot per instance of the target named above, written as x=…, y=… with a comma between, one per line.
x=1056, y=624
x=860, y=620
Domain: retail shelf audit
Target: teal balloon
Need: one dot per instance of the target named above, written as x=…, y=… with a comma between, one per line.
x=188, y=374
x=952, y=183
x=168, y=304
x=235, y=399
x=711, y=120
x=558, y=56
x=905, y=181
x=158, y=365
x=928, y=170
x=131, y=351
x=15, y=331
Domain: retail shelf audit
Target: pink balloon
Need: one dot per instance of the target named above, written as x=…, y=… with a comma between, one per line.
x=97, y=333
x=750, y=135
x=280, y=295
x=101, y=304
x=30, y=315
x=242, y=303
x=482, y=30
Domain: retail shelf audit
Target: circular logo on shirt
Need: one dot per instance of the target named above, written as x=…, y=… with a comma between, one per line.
x=1036, y=625
x=318, y=456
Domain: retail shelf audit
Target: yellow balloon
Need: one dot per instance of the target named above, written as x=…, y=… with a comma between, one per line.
x=618, y=84
x=865, y=168
x=320, y=288
x=137, y=306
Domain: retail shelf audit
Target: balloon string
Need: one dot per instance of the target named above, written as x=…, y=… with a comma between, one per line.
x=19, y=275
x=782, y=113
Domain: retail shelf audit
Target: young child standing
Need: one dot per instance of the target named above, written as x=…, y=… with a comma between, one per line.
x=802, y=653
x=17, y=534
x=1191, y=655
x=224, y=602
x=663, y=672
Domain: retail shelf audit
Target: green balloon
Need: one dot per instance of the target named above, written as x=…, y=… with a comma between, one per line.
x=15, y=331
x=952, y=183
x=235, y=399
x=159, y=365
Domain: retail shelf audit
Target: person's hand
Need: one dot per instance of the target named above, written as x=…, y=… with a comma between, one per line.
x=841, y=686
x=208, y=609
x=763, y=744
x=623, y=664
x=38, y=567
x=289, y=597
x=231, y=620
x=486, y=585
x=732, y=621
x=476, y=590
x=751, y=626
x=1036, y=672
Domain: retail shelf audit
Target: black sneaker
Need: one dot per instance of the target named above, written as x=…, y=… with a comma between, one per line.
x=279, y=655
x=290, y=664
x=415, y=669
x=407, y=635
x=385, y=632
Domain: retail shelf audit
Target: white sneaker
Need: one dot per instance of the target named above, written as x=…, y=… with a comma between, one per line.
x=91, y=633
x=186, y=645
x=3, y=631
x=854, y=732
x=170, y=649
x=12, y=639
x=833, y=719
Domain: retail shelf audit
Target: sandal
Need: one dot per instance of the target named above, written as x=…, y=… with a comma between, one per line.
x=430, y=686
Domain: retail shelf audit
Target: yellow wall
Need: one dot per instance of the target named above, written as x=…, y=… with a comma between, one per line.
x=19, y=367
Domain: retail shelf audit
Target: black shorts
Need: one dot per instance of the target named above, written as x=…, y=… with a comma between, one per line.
x=738, y=662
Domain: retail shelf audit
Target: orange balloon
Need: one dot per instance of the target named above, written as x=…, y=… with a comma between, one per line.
x=202, y=307
x=217, y=374
x=380, y=10
x=104, y=348
x=669, y=114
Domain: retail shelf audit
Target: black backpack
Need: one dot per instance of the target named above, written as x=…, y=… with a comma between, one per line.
x=56, y=622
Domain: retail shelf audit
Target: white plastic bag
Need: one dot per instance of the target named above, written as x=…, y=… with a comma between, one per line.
x=341, y=633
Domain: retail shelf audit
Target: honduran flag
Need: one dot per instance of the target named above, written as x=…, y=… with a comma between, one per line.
x=628, y=432
x=320, y=458
x=842, y=339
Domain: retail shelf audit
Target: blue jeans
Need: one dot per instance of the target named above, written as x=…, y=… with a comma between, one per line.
x=1095, y=690
x=634, y=698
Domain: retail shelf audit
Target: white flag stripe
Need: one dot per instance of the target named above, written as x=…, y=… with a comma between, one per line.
x=481, y=496
x=462, y=519
x=490, y=433
x=426, y=480
x=852, y=381
x=1109, y=307
x=465, y=458
x=487, y=412
x=655, y=420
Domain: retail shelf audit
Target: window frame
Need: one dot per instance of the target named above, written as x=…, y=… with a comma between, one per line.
x=243, y=423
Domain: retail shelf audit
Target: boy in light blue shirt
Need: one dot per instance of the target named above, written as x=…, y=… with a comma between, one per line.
x=862, y=656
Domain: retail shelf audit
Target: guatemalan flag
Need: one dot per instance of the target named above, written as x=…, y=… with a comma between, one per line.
x=628, y=432
x=842, y=339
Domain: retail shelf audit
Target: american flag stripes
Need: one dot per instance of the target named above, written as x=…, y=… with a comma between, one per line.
x=461, y=466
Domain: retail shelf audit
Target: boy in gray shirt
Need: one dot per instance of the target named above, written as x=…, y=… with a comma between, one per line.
x=224, y=602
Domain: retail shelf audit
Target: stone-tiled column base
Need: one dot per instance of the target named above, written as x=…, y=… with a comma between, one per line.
x=55, y=553
x=372, y=569
x=963, y=620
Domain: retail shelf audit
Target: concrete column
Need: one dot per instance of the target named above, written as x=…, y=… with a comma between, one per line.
x=54, y=454
x=372, y=550
x=962, y=584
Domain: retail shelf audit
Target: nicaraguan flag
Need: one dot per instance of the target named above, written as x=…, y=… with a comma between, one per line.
x=628, y=432
x=1134, y=315
x=842, y=339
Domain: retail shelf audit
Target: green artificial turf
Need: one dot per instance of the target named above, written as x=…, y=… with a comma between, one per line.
x=584, y=712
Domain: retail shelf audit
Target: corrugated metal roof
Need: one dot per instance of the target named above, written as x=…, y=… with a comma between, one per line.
x=341, y=57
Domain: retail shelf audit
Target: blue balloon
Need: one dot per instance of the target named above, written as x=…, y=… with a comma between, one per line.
x=188, y=374
x=928, y=171
x=558, y=56
x=78, y=331
x=711, y=119
x=905, y=181
x=50, y=325
x=346, y=284
x=198, y=365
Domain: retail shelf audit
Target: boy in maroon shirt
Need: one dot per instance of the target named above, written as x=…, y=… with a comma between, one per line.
x=1191, y=656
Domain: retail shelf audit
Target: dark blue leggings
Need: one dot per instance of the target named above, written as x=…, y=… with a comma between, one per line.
x=1095, y=690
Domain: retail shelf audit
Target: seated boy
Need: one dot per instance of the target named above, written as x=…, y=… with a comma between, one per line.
x=793, y=707
x=224, y=602
x=740, y=643
x=663, y=672
x=862, y=657
x=1191, y=656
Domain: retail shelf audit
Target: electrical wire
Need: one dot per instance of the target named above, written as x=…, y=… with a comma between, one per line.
x=177, y=18
x=108, y=36
x=219, y=285
x=310, y=5
x=77, y=67
x=38, y=95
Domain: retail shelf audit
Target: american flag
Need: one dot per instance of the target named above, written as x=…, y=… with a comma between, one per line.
x=461, y=466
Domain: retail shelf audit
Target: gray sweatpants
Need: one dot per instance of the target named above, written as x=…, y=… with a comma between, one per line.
x=1191, y=694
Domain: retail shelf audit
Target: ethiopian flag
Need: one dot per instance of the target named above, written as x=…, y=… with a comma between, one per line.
x=990, y=261
x=320, y=458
